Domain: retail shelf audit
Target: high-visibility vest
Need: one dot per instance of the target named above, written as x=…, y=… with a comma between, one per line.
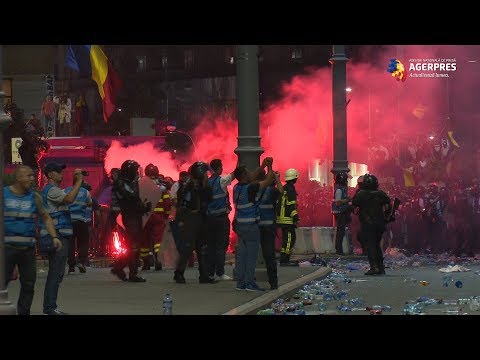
x=287, y=208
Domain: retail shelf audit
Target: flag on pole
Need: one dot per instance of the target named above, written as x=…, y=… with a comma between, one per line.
x=91, y=61
x=408, y=177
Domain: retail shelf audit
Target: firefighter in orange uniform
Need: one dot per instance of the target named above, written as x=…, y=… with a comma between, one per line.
x=155, y=226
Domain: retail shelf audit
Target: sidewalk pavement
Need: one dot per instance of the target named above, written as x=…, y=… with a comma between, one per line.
x=98, y=292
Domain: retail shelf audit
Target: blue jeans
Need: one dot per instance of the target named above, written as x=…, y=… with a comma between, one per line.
x=247, y=251
x=56, y=268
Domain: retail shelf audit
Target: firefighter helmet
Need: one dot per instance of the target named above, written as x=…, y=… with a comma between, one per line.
x=151, y=171
x=291, y=174
x=129, y=169
x=198, y=170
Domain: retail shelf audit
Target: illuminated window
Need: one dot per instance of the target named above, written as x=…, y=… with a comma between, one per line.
x=188, y=58
x=141, y=63
x=7, y=90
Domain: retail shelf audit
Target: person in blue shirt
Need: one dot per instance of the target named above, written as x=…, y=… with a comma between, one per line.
x=21, y=207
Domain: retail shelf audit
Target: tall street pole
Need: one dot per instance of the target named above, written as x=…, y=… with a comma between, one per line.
x=6, y=307
x=249, y=149
x=339, y=103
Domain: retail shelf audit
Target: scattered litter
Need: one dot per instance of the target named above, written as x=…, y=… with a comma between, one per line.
x=455, y=268
x=305, y=264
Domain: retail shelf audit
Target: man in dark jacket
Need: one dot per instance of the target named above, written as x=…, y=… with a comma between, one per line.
x=132, y=209
x=372, y=204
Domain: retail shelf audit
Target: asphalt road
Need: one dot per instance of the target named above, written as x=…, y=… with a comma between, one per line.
x=99, y=293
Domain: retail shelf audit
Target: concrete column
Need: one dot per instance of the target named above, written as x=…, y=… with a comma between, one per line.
x=249, y=149
x=6, y=307
x=339, y=102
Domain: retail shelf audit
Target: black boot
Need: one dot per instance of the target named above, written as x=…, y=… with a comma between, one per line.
x=274, y=285
x=284, y=258
x=135, y=278
x=381, y=269
x=119, y=273
x=374, y=271
x=158, y=265
x=178, y=277
x=146, y=263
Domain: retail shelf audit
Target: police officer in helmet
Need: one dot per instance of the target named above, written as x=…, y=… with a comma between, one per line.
x=192, y=204
x=132, y=209
x=373, y=204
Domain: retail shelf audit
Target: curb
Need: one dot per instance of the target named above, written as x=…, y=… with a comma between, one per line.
x=270, y=296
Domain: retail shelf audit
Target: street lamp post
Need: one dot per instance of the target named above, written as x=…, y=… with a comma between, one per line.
x=249, y=149
x=339, y=100
x=6, y=307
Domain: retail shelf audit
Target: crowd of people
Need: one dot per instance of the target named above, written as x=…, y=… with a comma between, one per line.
x=424, y=219
x=432, y=219
x=54, y=223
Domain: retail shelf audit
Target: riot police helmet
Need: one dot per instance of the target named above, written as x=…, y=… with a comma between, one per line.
x=370, y=182
x=129, y=169
x=198, y=170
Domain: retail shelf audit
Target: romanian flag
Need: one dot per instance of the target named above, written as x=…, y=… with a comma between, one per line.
x=91, y=61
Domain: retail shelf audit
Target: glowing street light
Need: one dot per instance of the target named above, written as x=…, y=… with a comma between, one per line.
x=348, y=89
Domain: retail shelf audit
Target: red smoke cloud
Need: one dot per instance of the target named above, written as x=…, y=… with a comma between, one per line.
x=144, y=154
x=298, y=127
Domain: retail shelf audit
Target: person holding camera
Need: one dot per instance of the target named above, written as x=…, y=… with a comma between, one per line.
x=57, y=203
x=80, y=225
x=341, y=209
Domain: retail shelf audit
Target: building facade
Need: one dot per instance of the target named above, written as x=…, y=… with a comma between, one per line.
x=178, y=83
